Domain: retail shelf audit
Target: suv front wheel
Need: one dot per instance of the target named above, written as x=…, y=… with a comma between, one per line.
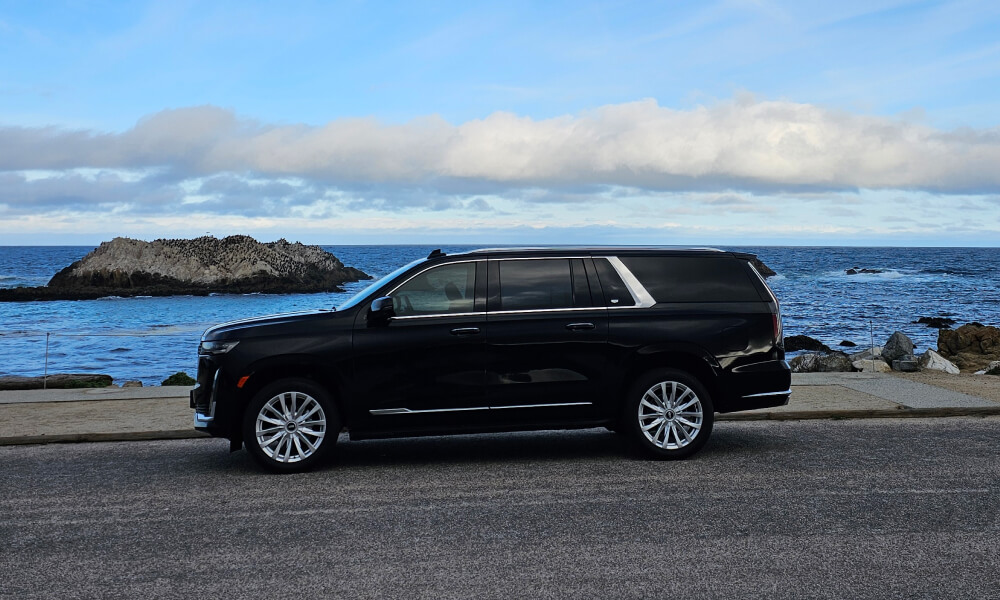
x=290, y=425
x=669, y=414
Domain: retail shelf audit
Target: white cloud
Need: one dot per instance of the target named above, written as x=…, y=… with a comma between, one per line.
x=732, y=169
x=742, y=144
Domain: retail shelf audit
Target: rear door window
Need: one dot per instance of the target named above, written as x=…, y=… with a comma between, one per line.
x=535, y=284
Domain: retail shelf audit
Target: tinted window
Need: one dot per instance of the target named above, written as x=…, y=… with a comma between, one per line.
x=441, y=290
x=693, y=279
x=615, y=292
x=535, y=284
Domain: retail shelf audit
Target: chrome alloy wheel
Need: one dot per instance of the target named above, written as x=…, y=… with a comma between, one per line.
x=670, y=415
x=290, y=427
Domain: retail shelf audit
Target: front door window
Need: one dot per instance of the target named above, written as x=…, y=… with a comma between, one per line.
x=447, y=289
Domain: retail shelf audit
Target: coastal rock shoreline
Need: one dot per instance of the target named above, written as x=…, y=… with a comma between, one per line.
x=125, y=267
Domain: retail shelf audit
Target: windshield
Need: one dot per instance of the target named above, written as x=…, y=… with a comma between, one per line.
x=357, y=298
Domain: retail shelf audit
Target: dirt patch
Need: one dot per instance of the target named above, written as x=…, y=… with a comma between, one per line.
x=94, y=416
x=983, y=386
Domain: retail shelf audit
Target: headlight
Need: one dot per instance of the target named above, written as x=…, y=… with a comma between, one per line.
x=211, y=348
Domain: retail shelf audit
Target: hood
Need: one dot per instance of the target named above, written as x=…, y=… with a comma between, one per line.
x=235, y=329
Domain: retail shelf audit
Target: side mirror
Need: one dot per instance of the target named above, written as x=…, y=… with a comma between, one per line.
x=381, y=311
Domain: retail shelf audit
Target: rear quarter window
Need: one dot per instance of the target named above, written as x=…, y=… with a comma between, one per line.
x=693, y=279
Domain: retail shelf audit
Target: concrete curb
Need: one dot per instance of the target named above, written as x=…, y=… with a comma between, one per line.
x=130, y=436
x=803, y=415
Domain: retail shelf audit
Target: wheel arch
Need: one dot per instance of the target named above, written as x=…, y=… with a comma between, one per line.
x=691, y=359
x=287, y=366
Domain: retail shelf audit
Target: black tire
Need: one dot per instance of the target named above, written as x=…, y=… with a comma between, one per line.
x=656, y=426
x=297, y=423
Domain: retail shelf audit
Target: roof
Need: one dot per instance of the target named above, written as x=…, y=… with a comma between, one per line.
x=590, y=250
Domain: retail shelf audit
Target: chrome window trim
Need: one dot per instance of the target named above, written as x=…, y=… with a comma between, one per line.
x=406, y=411
x=642, y=298
x=440, y=315
x=761, y=395
x=545, y=310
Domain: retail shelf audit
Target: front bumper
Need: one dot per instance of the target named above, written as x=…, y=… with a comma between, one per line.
x=203, y=401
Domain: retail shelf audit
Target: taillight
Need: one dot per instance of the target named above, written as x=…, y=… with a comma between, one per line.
x=776, y=328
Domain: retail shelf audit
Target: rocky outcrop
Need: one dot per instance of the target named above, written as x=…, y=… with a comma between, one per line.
x=794, y=343
x=971, y=347
x=56, y=381
x=236, y=264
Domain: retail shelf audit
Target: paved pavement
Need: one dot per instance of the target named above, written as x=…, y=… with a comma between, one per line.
x=105, y=414
x=854, y=508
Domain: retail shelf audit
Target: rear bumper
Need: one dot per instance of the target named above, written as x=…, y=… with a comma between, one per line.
x=758, y=385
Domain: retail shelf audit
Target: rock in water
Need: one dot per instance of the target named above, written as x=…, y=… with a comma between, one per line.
x=794, y=343
x=935, y=322
x=236, y=264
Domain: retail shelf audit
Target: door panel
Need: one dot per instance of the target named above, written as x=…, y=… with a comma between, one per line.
x=546, y=344
x=427, y=364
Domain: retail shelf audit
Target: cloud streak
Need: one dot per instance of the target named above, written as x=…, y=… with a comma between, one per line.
x=741, y=144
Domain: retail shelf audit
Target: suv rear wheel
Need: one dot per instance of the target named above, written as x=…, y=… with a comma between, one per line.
x=290, y=425
x=669, y=414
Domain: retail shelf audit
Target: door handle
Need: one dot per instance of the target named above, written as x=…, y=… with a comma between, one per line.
x=465, y=331
x=579, y=326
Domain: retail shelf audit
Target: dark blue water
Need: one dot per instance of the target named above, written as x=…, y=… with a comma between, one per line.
x=150, y=338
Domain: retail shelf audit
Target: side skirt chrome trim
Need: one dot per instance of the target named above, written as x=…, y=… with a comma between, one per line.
x=784, y=393
x=407, y=411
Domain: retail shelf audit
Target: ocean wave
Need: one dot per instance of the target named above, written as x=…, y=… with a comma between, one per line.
x=883, y=274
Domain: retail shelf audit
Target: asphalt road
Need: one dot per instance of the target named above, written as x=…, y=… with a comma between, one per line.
x=878, y=508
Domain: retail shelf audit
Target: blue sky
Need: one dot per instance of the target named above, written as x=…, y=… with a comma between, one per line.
x=350, y=122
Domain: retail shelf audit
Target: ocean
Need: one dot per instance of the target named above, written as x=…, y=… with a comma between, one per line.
x=147, y=339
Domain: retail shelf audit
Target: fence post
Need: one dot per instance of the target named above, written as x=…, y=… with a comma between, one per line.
x=45, y=377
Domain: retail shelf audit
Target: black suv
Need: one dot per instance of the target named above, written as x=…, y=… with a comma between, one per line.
x=647, y=342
